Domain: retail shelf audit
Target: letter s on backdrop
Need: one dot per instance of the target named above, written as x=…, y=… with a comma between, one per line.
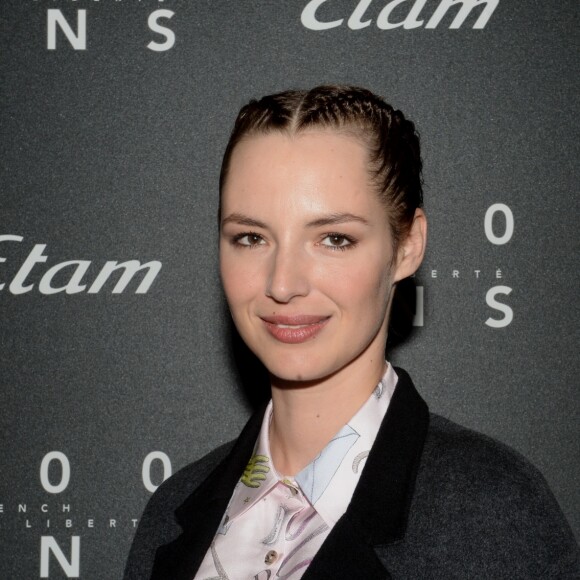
x=493, y=303
x=156, y=27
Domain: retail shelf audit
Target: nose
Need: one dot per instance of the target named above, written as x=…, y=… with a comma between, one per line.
x=288, y=276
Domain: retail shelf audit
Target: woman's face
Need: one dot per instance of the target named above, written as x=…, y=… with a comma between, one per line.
x=306, y=254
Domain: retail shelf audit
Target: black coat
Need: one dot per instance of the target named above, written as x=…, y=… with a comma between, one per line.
x=434, y=500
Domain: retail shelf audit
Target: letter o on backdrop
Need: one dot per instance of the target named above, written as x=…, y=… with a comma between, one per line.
x=65, y=472
x=509, y=224
x=146, y=472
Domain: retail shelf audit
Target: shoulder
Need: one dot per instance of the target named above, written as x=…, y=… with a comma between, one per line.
x=474, y=470
x=482, y=501
x=175, y=490
x=158, y=525
x=472, y=455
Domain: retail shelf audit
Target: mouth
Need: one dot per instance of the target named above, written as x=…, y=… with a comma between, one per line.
x=295, y=329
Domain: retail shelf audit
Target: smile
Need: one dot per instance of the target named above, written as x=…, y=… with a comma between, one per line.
x=294, y=329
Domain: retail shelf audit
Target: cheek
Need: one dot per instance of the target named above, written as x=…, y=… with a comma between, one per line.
x=362, y=284
x=240, y=283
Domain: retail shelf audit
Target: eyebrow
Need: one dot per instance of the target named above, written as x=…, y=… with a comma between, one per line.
x=243, y=220
x=327, y=220
x=337, y=218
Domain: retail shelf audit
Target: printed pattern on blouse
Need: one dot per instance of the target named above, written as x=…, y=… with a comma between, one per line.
x=274, y=525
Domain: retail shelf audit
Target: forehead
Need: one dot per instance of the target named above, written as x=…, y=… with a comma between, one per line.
x=324, y=170
x=319, y=146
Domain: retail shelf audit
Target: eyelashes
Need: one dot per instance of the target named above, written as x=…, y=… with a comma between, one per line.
x=248, y=240
x=333, y=241
x=338, y=241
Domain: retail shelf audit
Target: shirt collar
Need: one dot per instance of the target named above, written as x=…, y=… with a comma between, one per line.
x=328, y=482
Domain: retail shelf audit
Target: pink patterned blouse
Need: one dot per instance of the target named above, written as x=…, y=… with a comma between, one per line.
x=274, y=525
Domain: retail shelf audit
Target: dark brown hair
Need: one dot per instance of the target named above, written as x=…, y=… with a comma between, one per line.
x=390, y=139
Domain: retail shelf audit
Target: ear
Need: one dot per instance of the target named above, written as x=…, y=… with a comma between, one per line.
x=412, y=249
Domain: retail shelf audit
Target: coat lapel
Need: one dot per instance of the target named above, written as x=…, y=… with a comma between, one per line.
x=378, y=512
x=345, y=555
x=200, y=515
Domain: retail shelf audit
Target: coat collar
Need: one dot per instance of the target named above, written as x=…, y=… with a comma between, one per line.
x=377, y=514
x=381, y=501
x=201, y=513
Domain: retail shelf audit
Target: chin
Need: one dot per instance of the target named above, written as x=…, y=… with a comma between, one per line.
x=297, y=367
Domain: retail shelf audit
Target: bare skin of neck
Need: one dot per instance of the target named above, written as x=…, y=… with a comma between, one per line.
x=307, y=416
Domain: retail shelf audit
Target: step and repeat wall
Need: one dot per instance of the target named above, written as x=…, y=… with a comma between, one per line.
x=115, y=341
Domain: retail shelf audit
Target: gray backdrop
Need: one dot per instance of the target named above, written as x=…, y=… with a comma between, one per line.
x=114, y=117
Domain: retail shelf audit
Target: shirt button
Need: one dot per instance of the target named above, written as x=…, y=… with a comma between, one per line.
x=271, y=557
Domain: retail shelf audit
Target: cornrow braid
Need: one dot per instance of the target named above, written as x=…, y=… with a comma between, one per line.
x=391, y=140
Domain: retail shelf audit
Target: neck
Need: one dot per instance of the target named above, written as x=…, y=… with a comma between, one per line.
x=306, y=416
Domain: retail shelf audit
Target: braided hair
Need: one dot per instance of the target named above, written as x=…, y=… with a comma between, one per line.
x=390, y=139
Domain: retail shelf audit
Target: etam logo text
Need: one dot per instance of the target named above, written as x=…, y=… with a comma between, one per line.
x=72, y=276
x=406, y=14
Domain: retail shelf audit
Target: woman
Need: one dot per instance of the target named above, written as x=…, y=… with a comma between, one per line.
x=345, y=474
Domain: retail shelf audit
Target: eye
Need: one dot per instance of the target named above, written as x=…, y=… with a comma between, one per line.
x=337, y=241
x=249, y=240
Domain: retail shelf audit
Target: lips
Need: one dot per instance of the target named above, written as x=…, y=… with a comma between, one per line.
x=295, y=329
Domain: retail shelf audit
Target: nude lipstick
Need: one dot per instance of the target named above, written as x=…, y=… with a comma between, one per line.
x=294, y=329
